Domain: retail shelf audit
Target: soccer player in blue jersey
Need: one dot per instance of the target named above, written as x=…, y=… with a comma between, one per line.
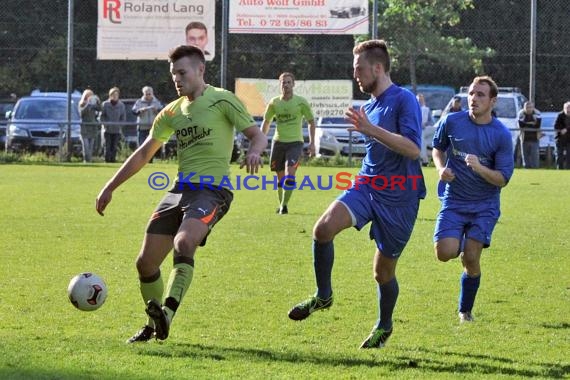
x=473, y=153
x=391, y=122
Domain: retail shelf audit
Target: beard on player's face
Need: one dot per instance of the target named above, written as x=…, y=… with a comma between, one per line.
x=370, y=85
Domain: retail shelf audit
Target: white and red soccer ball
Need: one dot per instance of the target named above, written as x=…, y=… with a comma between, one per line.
x=87, y=291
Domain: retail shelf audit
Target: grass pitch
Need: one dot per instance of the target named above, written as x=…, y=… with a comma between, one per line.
x=233, y=322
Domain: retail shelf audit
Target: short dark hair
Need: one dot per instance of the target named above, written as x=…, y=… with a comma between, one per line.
x=494, y=89
x=374, y=51
x=181, y=51
x=196, y=25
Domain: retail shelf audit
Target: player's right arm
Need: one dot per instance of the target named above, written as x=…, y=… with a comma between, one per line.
x=130, y=167
x=268, y=115
x=440, y=144
x=265, y=126
x=439, y=159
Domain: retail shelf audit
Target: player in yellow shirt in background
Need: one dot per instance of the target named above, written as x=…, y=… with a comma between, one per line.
x=289, y=110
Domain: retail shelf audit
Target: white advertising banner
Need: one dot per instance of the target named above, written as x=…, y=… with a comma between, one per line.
x=328, y=98
x=148, y=29
x=299, y=16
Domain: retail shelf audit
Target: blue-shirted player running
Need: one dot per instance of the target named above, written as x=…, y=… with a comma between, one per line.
x=391, y=122
x=473, y=153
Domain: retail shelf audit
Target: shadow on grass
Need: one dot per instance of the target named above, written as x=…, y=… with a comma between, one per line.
x=435, y=361
x=556, y=326
x=481, y=363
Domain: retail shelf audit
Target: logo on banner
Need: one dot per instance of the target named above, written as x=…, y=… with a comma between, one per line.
x=111, y=11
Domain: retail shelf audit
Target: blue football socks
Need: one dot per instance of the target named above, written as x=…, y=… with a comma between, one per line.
x=469, y=287
x=387, y=297
x=323, y=256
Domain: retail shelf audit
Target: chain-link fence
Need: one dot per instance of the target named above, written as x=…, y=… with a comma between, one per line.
x=33, y=52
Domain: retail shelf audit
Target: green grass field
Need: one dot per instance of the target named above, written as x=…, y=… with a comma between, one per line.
x=233, y=322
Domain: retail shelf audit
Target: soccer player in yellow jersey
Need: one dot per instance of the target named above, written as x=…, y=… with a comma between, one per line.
x=203, y=119
x=287, y=145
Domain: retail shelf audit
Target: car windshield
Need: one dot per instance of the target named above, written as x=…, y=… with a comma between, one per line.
x=45, y=109
x=505, y=107
x=436, y=100
x=548, y=120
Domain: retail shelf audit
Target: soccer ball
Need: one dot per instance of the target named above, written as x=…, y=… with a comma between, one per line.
x=87, y=291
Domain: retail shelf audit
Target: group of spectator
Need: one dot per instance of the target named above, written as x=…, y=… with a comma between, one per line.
x=102, y=123
x=101, y=127
x=530, y=122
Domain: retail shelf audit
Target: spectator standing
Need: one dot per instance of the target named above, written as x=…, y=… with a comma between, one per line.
x=456, y=105
x=113, y=113
x=89, y=107
x=146, y=108
x=562, y=129
x=529, y=124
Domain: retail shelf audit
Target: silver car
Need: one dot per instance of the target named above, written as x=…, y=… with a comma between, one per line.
x=333, y=139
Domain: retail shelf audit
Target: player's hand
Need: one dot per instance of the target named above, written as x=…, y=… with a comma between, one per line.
x=103, y=199
x=472, y=161
x=312, y=151
x=252, y=162
x=446, y=174
x=359, y=120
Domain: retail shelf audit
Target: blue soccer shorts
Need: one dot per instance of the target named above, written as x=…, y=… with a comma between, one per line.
x=470, y=220
x=391, y=226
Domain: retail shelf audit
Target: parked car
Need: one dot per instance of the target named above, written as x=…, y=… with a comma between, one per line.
x=39, y=123
x=510, y=101
x=333, y=139
x=547, y=143
x=436, y=97
x=6, y=106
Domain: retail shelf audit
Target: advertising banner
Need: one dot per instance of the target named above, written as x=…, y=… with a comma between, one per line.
x=328, y=98
x=299, y=16
x=149, y=29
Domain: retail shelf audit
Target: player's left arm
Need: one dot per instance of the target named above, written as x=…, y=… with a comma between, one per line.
x=504, y=163
x=312, y=128
x=494, y=177
x=409, y=121
x=307, y=113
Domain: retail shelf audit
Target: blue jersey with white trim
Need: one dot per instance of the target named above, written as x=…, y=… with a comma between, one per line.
x=458, y=135
x=398, y=111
